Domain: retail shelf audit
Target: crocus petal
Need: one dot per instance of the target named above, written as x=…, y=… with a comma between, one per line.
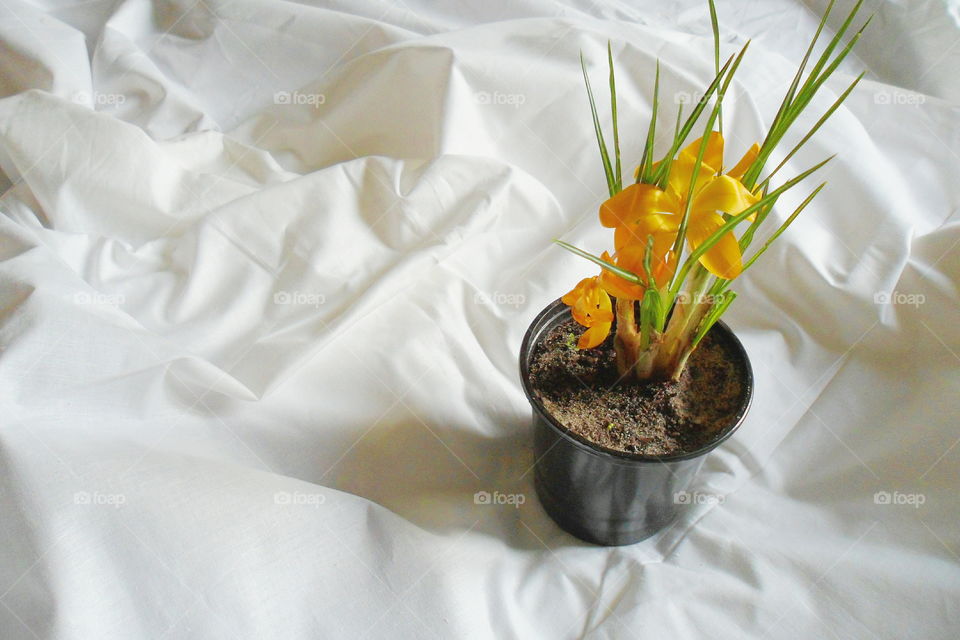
x=725, y=194
x=631, y=257
x=681, y=174
x=620, y=288
x=663, y=271
x=664, y=259
x=571, y=298
x=617, y=286
x=713, y=155
x=635, y=201
x=723, y=259
x=748, y=158
x=654, y=224
x=594, y=336
x=589, y=303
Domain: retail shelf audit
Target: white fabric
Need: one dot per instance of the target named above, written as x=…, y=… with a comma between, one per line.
x=265, y=270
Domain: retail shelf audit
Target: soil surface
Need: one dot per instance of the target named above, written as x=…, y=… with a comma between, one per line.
x=581, y=389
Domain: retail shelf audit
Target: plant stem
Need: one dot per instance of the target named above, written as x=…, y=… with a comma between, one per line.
x=663, y=355
x=628, y=341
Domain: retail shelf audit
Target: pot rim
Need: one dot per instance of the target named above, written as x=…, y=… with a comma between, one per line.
x=623, y=457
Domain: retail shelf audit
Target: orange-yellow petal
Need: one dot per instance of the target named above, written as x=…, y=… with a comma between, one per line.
x=589, y=303
x=663, y=271
x=594, y=336
x=654, y=224
x=663, y=263
x=713, y=155
x=617, y=286
x=722, y=193
x=681, y=174
x=723, y=259
x=748, y=158
x=635, y=201
x=571, y=298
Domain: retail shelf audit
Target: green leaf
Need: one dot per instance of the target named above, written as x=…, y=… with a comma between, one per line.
x=648, y=263
x=660, y=177
x=649, y=313
x=646, y=162
x=714, y=24
x=794, y=103
x=788, y=97
x=837, y=37
x=711, y=318
x=618, y=177
x=762, y=214
x=629, y=276
x=604, y=155
x=807, y=95
x=829, y=112
x=684, y=221
x=783, y=227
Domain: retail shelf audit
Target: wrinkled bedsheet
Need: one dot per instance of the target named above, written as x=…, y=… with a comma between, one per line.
x=264, y=272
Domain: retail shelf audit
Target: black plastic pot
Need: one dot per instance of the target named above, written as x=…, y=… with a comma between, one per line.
x=604, y=496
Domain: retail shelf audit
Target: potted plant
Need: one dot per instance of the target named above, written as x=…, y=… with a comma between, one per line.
x=632, y=376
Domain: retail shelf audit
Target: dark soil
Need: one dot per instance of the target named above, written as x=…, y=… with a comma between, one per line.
x=581, y=389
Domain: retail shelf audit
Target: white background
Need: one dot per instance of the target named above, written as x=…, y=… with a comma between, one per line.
x=264, y=272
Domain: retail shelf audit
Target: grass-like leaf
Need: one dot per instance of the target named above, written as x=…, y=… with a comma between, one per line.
x=617, y=175
x=649, y=313
x=629, y=276
x=715, y=25
x=604, y=155
x=705, y=139
x=646, y=162
x=797, y=99
x=783, y=227
x=660, y=177
x=829, y=112
x=711, y=318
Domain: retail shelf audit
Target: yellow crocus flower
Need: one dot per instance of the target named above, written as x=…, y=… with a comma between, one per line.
x=643, y=210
